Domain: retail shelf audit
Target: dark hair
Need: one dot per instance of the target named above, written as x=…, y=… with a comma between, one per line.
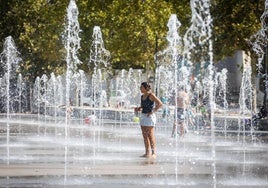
x=146, y=85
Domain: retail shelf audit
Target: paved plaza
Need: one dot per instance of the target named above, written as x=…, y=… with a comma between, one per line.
x=106, y=154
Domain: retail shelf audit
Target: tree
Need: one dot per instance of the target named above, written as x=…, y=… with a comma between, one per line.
x=130, y=29
x=37, y=27
x=234, y=23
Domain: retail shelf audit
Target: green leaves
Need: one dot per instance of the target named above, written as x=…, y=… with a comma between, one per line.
x=234, y=23
x=129, y=28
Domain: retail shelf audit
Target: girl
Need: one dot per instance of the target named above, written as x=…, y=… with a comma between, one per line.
x=149, y=105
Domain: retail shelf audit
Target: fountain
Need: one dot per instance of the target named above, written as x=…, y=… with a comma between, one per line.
x=58, y=145
x=9, y=62
x=259, y=45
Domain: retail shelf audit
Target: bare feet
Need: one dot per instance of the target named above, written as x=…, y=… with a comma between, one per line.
x=149, y=156
x=145, y=155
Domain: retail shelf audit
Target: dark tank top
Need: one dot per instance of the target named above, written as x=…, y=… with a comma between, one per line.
x=147, y=105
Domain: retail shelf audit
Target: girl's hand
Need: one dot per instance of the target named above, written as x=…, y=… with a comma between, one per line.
x=137, y=109
x=150, y=113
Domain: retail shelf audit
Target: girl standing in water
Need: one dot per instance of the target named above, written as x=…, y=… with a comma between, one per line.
x=149, y=105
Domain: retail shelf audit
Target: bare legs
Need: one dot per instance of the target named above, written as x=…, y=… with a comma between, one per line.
x=179, y=124
x=175, y=128
x=149, y=140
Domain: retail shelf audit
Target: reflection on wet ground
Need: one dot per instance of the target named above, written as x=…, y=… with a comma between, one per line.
x=37, y=154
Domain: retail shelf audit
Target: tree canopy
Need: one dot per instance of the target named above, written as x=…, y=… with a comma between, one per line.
x=131, y=29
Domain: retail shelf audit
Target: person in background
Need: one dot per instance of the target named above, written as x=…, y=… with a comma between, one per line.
x=183, y=101
x=165, y=107
x=205, y=110
x=149, y=105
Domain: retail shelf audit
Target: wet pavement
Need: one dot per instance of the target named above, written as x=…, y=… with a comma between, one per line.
x=37, y=154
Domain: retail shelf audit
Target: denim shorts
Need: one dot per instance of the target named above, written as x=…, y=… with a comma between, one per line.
x=180, y=114
x=146, y=120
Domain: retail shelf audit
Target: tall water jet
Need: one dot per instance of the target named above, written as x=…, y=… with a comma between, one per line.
x=51, y=94
x=71, y=41
x=245, y=98
x=9, y=62
x=81, y=89
x=220, y=94
x=99, y=56
x=60, y=98
x=168, y=60
x=132, y=85
x=98, y=59
x=72, y=45
x=175, y=45
x=192, y=34
x=36, y=104
x=21, y=92
x=43, y=82
x=259, y=43
x=201, y=30
x=259, y=40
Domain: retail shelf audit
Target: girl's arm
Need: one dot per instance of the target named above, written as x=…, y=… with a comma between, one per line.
x=158, y=103
x=138, y=109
